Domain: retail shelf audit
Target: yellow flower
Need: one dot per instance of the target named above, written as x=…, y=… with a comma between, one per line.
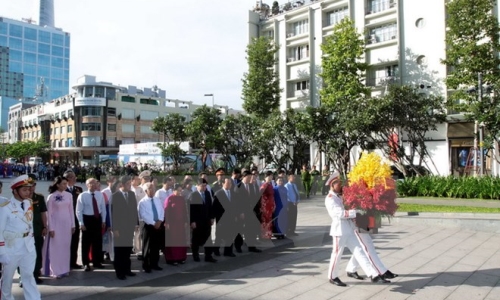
x=371, y=170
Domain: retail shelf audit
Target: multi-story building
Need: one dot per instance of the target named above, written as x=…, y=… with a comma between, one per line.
x=405, y=43
x=98, y=117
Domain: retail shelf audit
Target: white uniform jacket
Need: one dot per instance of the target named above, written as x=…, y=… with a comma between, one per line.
x=342, y=219
x=16, y=228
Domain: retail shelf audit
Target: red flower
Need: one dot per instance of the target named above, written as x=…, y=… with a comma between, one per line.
x=381, y=199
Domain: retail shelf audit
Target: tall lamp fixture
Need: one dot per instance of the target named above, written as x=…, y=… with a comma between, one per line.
x=211, y=95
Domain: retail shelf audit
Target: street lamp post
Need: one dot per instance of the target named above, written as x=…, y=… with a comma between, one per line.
x=211, y=95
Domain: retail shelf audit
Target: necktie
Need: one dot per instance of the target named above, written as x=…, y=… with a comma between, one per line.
x=228, y=195
x=95, y=207
x=248, y=190
x=203, y=197
x=155, y=212
x=71, y=189
x=22, y=206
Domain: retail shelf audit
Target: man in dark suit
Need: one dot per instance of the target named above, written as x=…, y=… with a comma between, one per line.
x=75, y=238
x=248, y=201
x=226, y=212
x=201, y=220
x=124, y=220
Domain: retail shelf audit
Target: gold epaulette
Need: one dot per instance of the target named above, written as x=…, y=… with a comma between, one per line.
x=4, y=204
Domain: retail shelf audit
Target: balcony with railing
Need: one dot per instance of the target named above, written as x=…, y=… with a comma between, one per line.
x=378, y=6
x=266, y=12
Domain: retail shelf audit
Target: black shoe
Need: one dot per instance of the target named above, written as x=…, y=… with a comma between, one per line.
x=157, y=268
x=131, y=274
x=20, y=284
x=99, y=266
x=38, y=280
x=379, y=279
x=87, y=268
x=217, y=252
x=76, y=266
x=254, y=249
x=229, y=254
x=389, y=275
x=337, y=282
x=121, y=277
x=355, y=275
x=210, y=259
x=196, y=258
x=239, y=250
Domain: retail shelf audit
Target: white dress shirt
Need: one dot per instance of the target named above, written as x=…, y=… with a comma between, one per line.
x=163, y=194
x=139, y=192
x=107, y=192
x=84, y=206
x=145, y=209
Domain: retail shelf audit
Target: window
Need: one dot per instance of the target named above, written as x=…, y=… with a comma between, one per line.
x=149, y=115
x=128, y=99
x=70, y=112
x=57, y=51
x=375, y=6
x=30, y=46
x=383, y=33
x=51, y=131
x=91, y=111
x=128, y=113
x=420, y=23
x=57, y=39
x=111, y=127
x=30, y=34
x=302, y=85
x=63, y=114
x=268, y=34
x=335, y=16
x=44, y=48
x=299, y=53
x=128, y=128
x=149, y=101
x=56, y=130
x=91, y=126
x=70, y=128
x=91, y=141
x=146, y=129
x=44, y=36
x=300, y=27
x=70, y=142
x=126, y=141
x=111, y=112
x=382, y=75
x=111, y=142
x=3, y=28
x=16, y=30
x=63, y=129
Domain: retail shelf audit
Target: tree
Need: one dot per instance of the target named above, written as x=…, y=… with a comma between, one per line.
x=405, y=112
x=172, y=127
x=202, y=130
x=23, y=149
x=473, y=44
x=236, y=138
x=344, y=95
x=261, y=90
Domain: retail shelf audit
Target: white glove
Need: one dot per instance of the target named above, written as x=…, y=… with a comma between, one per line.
x=4, y=259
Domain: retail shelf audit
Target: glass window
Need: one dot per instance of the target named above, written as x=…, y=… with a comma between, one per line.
x=111, y=142
x=43, y=71
x=66, y=63
x=30, y=80
x=57, y=51
x=71, y=142
x=56, y=84
x=70, y=112
x=3, y=41
x=15, y=43
x=30, y=33
x=3, y=28
x=43, y=60
x=149, y=101
x=300, y=27
x=57, y=39
x=128, y=99
x=111, y=127
x=16, y=55
x=126, y=141
x=111, y=111
x=337, y=15
x=43, y=48
x=44, y=36
x=66, y=52
x=56, y=130
x=375, y=6
x=29, y=57
x=57, y=73
x=16, y=30
x=128, y=113
x=149, y=115
x=91, y=141
x=146, y=129
x=57, y=62
x=63, y=129
x=383, y=33
x=91, y=111
x=129, y=128
x=29, y=69
x=91, y=126
x=110, y=93
x=30, y=46
x=67, y=40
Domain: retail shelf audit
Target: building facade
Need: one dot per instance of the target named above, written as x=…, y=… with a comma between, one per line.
x=405, y=43
x=98, y=117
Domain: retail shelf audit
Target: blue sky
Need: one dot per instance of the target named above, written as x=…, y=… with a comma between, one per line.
x=187, y=47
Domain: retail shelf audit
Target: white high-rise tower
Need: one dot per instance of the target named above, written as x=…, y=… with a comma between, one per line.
x=45, y=11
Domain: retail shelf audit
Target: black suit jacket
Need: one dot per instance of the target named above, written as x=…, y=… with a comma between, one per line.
x=75, y=193
x=248, y=202
x=222, y=205
x=124, y=218
x=200, y=213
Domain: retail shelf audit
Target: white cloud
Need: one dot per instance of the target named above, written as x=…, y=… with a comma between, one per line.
x=189, y=47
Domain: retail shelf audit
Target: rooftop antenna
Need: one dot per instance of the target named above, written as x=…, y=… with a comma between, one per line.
x=29, y=20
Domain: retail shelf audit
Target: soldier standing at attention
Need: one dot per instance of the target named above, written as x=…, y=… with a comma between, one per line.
x=39, y=227
x=17, y=244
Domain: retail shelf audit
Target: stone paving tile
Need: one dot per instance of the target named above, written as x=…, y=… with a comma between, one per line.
x=432, y=292
x=469, y=292
x=278, y=294
x=449, y=281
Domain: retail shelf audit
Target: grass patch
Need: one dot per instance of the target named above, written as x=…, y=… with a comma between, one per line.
x=409, y=207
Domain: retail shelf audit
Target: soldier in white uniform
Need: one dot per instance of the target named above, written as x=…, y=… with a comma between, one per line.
x=343, y=231
x=17, y=244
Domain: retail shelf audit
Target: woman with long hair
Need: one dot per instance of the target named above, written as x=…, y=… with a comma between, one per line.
x=61, y=223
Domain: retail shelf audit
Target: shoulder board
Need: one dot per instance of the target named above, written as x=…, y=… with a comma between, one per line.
x=4, y=204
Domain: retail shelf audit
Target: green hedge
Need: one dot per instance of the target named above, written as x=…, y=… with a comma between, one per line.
x=451, y=187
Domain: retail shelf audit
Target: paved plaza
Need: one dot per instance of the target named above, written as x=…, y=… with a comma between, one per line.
x=435, y=260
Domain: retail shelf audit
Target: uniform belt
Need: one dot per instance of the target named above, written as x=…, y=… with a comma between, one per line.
x=14, y=235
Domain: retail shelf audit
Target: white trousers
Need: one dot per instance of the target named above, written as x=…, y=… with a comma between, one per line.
x=26, y=264
x=369, y=248
x=351, y=241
